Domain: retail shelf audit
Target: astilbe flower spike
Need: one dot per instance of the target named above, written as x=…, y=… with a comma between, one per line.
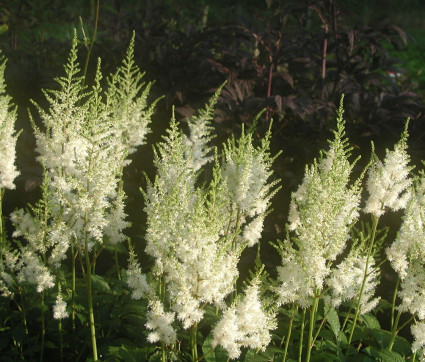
x=245, y=323
x=322, y=211
x=388, y=180
x=407, y=257
x=8, y=137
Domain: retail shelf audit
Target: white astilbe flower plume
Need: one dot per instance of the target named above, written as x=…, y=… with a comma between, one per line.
x=322, y=211
x=34, y=272
x=246, y=171
x=388, y=180
x=59, y=309
x=127, y=97
x=135, y=279
x=197, y=266
x=8, y=171
x=346, y=279
x=408, y=244
x=194, y=231
x=418, y=333
x=10, y=264
x=226, y=333
x=160, y=323
x=197, y=142
x=245, y=324
x=412, y=291
x=83, y=157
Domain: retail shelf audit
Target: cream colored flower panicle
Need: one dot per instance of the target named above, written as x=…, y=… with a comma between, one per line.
x=160, y=323
x=322, y=211
x=127, y=97
x=59, y=309
x=245, y=324
x=346, y=279
x=246, y=171
x=8, y=171
x=197, y=142
x=389, y=180
x=408, y=244
x=183, y=233
x=418, y=333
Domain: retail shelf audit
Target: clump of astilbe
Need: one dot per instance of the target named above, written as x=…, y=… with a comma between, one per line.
x=83, y=148
x=127, y=98
x=246, y=323
x=388, y=180
x=8, y=137
x=322, y=211
x=192, y=229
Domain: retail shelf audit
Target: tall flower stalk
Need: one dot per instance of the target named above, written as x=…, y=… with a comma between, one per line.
x=321, y=213
x=387, y=185
x=8, y=171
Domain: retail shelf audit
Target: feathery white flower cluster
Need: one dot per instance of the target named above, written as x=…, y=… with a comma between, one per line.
x=246, y=171
x=127, y=98
x=407, y=257
x=408, y=243
x=135, y=279
x=83, y=149
x=346, y=279
x=59, y=309
x=160, y=323
x=183, y=233
x=200, y=128
x=8, y=171
x=418, y=333
x=321, y=213
x=245, y=324
x=388, y=180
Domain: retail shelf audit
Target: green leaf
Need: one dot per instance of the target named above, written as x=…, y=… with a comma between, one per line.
x=253, y=356
x=383, y=355
x=370, y=321
x=100, y=283
x=333, y=320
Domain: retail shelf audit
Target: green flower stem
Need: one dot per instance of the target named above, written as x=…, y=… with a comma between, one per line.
x=2, y=236
x=73, y=257
x=300, y=345
x=60, y=340
x=193, y=342
x=96, y=20
x=359, y=301
x=90, y=299
x=312, y=323
x=394, y=330
x=116, y=263
x=288, y=338
x=320, y=326
x=43, y=328
x=347, y=316
x=163, y=353
x=393, y=302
